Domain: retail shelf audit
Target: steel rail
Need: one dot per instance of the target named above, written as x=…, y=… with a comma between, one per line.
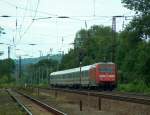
x=28, y=112
x=45, y=106
x=108, y=95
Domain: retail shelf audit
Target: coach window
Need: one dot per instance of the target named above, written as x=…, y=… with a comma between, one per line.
x=83, y=73
x=64, y=76
x=71, y=75
x=78, y=74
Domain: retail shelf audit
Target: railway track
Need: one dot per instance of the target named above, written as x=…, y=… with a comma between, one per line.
x=33, y=106
x=92, y=101
x=7, y=105
x=127, y=97
x=25, y=109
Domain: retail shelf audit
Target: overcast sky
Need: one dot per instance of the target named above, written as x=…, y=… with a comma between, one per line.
x=48, y=33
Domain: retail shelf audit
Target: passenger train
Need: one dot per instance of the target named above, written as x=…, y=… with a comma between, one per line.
x=103, y=74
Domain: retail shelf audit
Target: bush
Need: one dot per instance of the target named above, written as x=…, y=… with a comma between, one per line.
x=138, y=87
x=6, y=81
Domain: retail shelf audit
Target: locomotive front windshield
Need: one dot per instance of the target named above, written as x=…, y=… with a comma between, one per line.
x=106, y=69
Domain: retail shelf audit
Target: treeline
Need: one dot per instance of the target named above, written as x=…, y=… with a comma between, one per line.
x=38, y=74
x=7, y=67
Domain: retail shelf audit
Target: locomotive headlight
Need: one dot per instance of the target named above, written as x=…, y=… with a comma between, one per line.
x=102, y=75
x=111, y=75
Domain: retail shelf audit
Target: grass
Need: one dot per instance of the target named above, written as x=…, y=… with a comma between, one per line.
x=137, y=87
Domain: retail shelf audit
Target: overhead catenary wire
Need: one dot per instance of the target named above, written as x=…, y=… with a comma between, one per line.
x=17, y=30
x=50, y=14
x=89, y=19
x=21, y=25
x=79, y=18
x=29, y=26
x=21, y=8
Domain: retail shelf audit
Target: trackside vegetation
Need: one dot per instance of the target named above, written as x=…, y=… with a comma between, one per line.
x=7, y=67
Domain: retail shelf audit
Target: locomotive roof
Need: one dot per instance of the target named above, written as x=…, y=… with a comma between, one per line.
x=83, y=68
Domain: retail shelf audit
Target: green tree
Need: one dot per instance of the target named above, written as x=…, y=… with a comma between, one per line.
x=133, y=50
x=140, y=6
x=140, y=24
x=38, y=73
x=7, y=68
x=92, y=45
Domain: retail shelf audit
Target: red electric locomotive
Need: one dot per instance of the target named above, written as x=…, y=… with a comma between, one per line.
x=104, y=74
